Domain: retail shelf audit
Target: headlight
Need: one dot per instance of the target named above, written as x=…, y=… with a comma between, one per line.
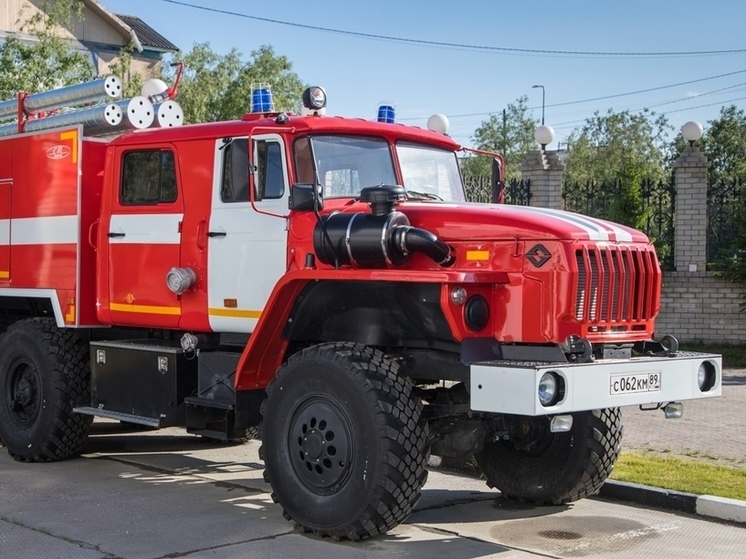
x=706, y=376
x=549, y=386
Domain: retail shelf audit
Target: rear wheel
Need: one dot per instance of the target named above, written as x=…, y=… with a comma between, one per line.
x=343, y=442
x=44, y=373
x=554, y=468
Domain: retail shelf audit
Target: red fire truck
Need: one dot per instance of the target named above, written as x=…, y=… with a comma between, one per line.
x=323, y=278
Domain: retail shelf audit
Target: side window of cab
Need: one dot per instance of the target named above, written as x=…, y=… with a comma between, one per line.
x=148, y=178
x=270, y=179
x=235, y=182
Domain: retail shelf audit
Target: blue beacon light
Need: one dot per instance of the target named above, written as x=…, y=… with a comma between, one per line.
x=386, y=114
x=261, y=99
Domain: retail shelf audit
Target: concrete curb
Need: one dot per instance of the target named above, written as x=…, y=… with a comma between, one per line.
x=702, y=505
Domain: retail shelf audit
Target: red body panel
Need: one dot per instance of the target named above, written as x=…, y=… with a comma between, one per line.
x=56, y=180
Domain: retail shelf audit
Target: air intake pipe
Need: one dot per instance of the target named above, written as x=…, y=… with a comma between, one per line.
x=378, y=239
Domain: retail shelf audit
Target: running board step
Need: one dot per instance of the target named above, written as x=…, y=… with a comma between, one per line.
x=125, y=417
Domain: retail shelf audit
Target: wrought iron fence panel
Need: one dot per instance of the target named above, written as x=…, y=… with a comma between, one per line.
x=479, y=189
x=659, y=197
x=518, y=192
x=723, y=199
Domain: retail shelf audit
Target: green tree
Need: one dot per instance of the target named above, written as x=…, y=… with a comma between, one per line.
x=609, y=145
x=47, y=62
x=724, y=144
x=131, y=82
x=510, y=133
x=218, y=87
x=611, y=155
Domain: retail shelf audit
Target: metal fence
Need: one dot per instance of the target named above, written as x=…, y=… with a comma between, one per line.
x=725, y=201
x=723, y=214
x=479, y=189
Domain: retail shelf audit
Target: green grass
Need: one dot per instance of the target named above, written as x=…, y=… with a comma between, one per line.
x=734, y=356
x=681, y=474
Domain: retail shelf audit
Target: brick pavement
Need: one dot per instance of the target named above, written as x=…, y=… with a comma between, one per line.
x=712, y=429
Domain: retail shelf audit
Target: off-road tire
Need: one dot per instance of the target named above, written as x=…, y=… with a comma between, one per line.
x=44, y=374
x=565, y=467
x=343, y=441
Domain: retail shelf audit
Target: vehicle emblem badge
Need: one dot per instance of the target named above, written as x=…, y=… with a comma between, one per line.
x=538, y=256
x=58, y=152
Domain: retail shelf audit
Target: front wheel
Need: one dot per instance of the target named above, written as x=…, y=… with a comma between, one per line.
x=343, y=442
x=554, y=468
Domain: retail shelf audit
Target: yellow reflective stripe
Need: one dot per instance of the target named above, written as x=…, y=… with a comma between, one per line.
x=146, y=309
x=72, y=135
x=4, y=274
x=477, y=254
x=235, y=313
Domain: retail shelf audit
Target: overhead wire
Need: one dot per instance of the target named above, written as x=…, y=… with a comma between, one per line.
x=605, y=97
x=461, y=46
x=515, y=51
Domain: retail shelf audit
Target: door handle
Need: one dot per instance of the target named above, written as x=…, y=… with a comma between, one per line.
x=111, y=235
x=91, y=236
x=213, y=234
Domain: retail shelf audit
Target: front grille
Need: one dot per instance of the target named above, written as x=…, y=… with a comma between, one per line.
x=616, y=284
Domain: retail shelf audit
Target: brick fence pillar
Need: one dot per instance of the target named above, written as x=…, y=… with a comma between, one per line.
x=690, y=245
x=544, y=169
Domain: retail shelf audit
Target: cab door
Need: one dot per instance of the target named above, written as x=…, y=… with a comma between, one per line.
x=143, y=237
x=247, y=244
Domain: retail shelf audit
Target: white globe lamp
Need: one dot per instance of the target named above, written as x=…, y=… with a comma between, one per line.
x=438, y=123
x=692, y=131
x=544, y=135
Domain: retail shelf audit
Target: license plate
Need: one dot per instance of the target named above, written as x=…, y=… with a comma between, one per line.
x=628, y=384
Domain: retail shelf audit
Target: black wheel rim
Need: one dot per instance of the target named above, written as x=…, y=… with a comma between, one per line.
x=320, y=445
x=23, y=393
x=538, y=442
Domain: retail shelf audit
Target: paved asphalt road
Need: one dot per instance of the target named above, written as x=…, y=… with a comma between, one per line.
x=152, y=495
x=165, y=494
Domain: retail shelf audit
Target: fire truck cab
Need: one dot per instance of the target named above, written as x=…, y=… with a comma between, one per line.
x=323, y=278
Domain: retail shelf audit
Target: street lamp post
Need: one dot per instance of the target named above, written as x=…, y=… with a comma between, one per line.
x=542, y=100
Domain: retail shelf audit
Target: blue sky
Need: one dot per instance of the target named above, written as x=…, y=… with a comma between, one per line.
x=468, y=85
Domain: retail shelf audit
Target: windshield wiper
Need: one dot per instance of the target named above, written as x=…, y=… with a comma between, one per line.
x=426, y=195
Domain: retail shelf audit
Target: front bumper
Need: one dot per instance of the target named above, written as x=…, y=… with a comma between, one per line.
x=512, y=388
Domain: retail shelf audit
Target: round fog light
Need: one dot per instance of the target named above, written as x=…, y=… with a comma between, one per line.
x=706, y=376
x=548, y=389
x=477, y=313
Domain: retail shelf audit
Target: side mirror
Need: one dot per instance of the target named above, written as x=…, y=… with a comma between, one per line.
x=497, y=183
x=306, y=197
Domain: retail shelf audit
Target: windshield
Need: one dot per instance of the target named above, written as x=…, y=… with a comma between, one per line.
x=346, y=164
x=430, y=172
